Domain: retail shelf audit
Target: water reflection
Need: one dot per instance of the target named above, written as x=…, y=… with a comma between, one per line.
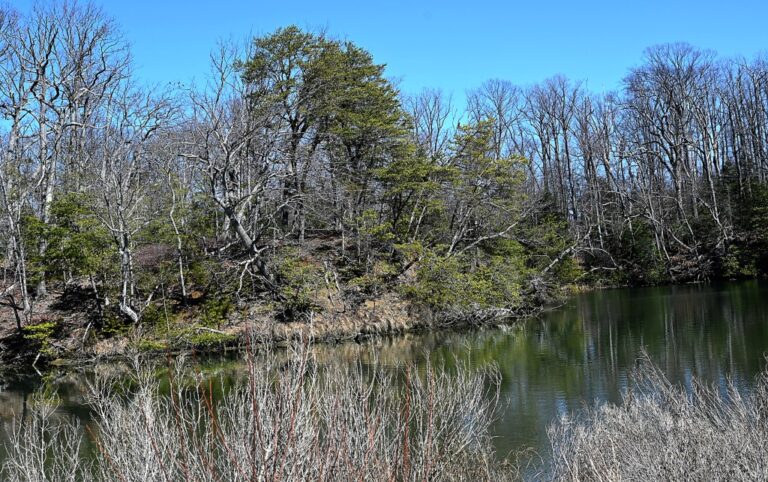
x=572, y=356
x=585, y=350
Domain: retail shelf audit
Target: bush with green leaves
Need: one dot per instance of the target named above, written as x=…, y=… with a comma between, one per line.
x=749, y=249
x=41, y=335
x=299, y=279
x=215, y=310
x=77, y=243
x=495, y=279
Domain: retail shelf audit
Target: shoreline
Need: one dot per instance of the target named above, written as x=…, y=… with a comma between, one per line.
x=387, y=316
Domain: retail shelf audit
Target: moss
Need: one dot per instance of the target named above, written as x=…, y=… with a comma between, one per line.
x=209, y=339
x=151, y=345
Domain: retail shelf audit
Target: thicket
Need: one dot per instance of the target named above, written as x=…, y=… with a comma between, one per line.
x=296, y=168
x=291, y=419
x=662, y=431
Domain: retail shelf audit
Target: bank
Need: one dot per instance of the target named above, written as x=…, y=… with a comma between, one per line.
x=66, y=334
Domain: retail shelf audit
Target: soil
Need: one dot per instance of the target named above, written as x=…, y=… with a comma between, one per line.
x=76, y=339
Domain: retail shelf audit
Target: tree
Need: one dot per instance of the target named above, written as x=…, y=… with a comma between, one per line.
x=228, y=137
x=132, y=120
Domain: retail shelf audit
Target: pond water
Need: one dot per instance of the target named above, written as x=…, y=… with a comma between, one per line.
x=571, y=356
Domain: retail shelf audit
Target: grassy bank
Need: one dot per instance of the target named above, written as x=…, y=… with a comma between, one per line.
x=71, y=328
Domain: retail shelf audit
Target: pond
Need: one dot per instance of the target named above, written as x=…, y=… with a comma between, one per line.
x=569, y=357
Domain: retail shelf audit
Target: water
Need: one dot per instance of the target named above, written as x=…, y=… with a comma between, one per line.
x=574, y=355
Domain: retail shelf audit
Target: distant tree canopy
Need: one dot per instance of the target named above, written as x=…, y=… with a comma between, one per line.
x=298, y=165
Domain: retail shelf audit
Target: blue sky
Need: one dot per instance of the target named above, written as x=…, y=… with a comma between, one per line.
x=448, y=44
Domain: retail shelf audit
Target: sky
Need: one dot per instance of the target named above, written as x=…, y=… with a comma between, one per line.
x=451, y=45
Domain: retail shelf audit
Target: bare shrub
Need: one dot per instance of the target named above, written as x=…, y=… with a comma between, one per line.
x=42, y=445
x=289, y=420
x=663, y=432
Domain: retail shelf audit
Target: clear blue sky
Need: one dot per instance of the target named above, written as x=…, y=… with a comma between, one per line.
x=453, y=45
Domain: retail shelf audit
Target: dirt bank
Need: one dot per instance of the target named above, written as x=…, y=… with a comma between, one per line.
x=73, y=337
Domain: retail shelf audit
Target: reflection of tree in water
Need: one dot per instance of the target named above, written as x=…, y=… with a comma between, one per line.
x=556, y=364
x=585, y=350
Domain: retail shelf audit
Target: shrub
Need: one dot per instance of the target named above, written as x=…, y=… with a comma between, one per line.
x=459, y=282
x=299, y=281
x=151, y=345
x=41, y=336
x=215, y=310
x=293, y=420
x=662, y=432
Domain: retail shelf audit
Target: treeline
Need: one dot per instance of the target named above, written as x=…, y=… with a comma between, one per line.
x=296, y=167
x=664, y=180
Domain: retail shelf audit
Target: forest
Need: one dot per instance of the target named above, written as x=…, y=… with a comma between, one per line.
x=296, y=179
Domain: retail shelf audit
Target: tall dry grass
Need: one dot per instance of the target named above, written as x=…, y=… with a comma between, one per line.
x=662, y=432
x=290, y=420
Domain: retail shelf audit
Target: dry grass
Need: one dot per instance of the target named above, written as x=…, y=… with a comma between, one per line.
x=661, y=432
x=289, y=421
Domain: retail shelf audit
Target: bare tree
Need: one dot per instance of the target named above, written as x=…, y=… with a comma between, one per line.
x=131, y=121
x=228, y=141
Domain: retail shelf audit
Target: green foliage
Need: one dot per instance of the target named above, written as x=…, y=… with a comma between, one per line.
x=77, y=242
x=151, y=345
x=374, y=235
x=378, y=277
x=738, y=263
x=330, y=84
x=371, y=225
x=410, y=252
x=201, y=221
x=568, y=271
x=548, y=235
x=215, y=311
x=47, y=395
x=280, y=63
x=481, y=174
x=204, y=272
x=749, y=252
x=155, y=315
x=41, y=335
x=412, y=186
x=34, y=231
x=462, y=282
x=412, y=173
x=299, y=281
x=498, y=282
x=440, y=281
x=114, y=324
x=635, y=251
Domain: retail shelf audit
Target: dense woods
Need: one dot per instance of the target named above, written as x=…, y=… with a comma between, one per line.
x=296, y=171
